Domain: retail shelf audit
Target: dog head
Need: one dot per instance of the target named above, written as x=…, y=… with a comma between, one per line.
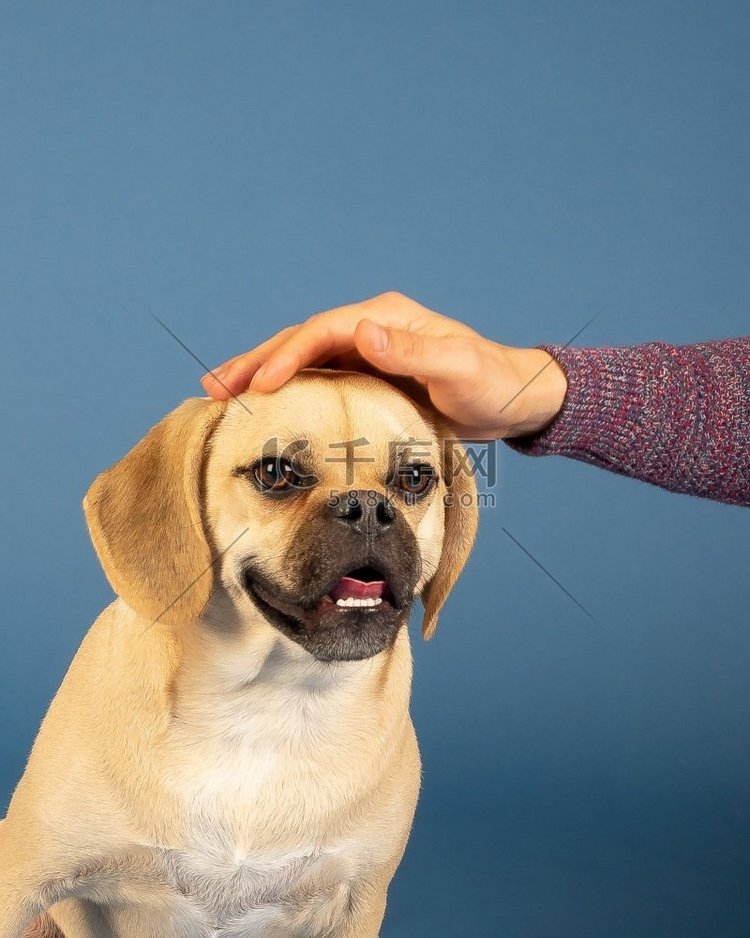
x=323, y=508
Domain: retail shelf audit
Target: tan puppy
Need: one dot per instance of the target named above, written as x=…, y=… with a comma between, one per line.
x=231, y=752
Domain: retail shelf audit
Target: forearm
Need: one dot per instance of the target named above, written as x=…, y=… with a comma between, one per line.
x=675, y=416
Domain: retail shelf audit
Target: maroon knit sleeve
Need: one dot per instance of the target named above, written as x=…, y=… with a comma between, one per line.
x=675, y=416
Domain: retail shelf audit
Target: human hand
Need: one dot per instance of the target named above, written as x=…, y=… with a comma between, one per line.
x=486, y=390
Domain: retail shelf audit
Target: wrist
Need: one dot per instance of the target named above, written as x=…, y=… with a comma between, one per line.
x=541, y=386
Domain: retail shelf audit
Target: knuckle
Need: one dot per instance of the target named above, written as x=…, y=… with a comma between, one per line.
x=390, y=296
x=316, y=317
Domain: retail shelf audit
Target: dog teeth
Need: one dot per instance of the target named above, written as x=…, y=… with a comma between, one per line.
x=351, y=601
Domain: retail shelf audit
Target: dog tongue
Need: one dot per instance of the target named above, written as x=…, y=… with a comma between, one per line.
x=347, y=587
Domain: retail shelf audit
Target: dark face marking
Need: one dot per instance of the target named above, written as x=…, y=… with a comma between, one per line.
x=366, y=553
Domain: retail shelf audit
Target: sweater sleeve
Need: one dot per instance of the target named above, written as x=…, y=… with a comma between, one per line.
x=675, y=416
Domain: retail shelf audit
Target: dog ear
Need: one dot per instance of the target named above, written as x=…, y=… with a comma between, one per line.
x=145, y=520
x=461, y=520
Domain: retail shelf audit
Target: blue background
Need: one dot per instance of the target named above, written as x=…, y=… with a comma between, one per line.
x=520, y=165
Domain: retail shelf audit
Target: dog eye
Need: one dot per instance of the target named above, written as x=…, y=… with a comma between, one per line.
x=275, y=474
x=415, y=479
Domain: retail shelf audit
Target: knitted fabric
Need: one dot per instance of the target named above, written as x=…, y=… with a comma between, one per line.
x=675, y=416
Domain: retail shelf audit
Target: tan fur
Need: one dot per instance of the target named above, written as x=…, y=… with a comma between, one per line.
x=43, y=927
x=460, y=530
x=198, y=773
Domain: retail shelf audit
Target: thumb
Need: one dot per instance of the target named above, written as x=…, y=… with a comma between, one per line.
x=400, y=351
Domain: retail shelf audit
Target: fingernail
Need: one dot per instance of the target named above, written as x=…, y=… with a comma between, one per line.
x=378, y=337
x=216, y=374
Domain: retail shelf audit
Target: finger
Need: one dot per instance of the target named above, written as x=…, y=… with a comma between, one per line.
x=412, y=385
x=403, y=352
x=353, y=361
x=348, y=361
x=315, y=342
x=234, y=375
x=323, y=337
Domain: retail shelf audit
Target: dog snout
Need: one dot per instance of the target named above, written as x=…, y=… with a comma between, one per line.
x=364, y=511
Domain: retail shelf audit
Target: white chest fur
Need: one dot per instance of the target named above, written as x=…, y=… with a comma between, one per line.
x=234, y=897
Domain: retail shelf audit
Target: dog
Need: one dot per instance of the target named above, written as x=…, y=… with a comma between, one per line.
x=231, y=751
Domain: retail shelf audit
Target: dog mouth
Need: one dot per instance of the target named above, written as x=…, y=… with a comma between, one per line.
x=353, y=614
x=361, y=589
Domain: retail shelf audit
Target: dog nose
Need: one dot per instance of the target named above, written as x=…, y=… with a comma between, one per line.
x=366, y=512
